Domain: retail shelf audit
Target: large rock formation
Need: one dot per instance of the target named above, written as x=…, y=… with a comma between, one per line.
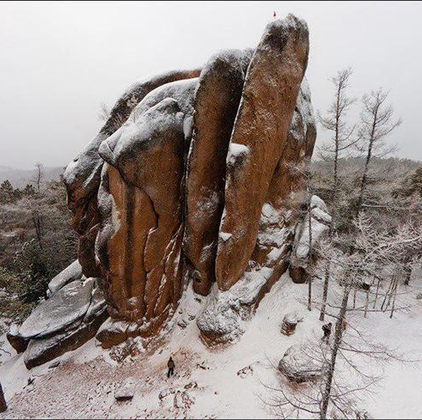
x=197, y=176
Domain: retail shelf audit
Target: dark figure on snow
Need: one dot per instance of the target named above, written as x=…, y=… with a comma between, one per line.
x=171, y=366
x=326, y=328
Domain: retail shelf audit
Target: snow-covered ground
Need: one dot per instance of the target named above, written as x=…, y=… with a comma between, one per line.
x=209, y=383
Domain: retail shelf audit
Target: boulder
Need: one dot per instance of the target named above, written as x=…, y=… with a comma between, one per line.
x=54, y=364
x=260, y=132
x=290, y=322
x=246, y=371
x=300, y=364
x=124, y=391
x=216, y=103
x=60, y=324
x=67, y=306
x=112, y=332
x=43, y=350
x=69, y=274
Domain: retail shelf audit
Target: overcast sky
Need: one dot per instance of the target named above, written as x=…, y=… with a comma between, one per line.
x=60, y=61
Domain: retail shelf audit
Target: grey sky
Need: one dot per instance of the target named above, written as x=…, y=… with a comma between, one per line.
x=59, y=61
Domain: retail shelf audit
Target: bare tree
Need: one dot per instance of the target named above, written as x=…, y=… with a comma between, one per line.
x=39, y=176
x=104, y=113
x=37, y=218
x=341, y=141
x=377, y=122
x=332, y=393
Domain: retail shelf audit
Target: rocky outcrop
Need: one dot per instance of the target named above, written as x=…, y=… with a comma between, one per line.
x=68, y=319
x=222, y=320
x=290, y=321
x=197, y=177
x=308, y=232
x=141, y=203
x=203, y=182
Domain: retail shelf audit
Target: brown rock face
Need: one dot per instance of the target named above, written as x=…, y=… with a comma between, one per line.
x=141, y=198
x=286, y=193
x=259, y=135
x=82, y=176
x=216, y=103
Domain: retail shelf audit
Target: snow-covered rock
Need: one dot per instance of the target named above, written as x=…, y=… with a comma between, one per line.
x=299, y=364
x=16, y=341
x=221, y=321
x=69, y=274
x=259, y=139
x=320, y=225
x=62, y=323
x=124, y=391
x=290, y=322
x=190, y=179
x=64, y=308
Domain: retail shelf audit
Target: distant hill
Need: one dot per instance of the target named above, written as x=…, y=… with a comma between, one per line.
x=20, y=177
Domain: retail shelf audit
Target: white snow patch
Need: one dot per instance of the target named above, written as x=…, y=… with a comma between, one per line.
x=236, y=150
x=225, y=236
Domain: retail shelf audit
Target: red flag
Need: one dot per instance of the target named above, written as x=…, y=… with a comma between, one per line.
x=274, y=15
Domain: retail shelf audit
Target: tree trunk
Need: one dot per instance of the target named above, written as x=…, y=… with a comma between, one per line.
x=408, y=273
x=387, y=294
x=37, y=222
x=366, y=168
x=326, y=395
x=3, y=405
x=366, y=304
x=376, y=293
x=325, y=290
x=310, y=251
x=394, y=298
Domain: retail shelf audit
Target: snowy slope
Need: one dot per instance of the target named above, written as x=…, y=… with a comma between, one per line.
x=208, y=383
